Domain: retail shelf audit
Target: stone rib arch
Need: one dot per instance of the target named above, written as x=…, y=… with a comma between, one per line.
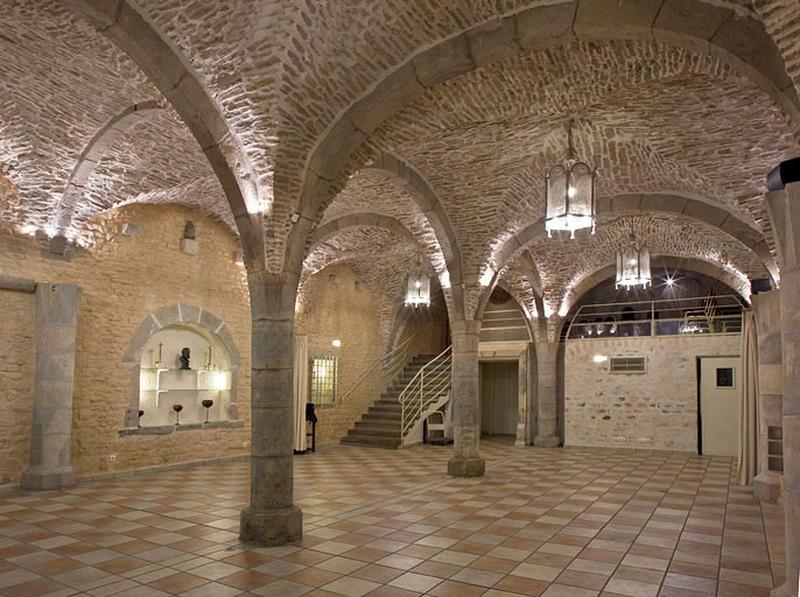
x=372, y=219
x=719, y=218
x=413, y=182
x=711, y=29
x=90, y=156
x=606, y=272
x=171, y=73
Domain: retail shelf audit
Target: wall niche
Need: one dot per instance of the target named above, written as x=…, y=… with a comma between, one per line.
x=160, y=379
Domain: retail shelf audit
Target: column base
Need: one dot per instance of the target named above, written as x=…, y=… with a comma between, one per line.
x=787, y=589
x=42, y=479
x=767, y=487
x=546, y=441
x=466, y=467
x=276, y=526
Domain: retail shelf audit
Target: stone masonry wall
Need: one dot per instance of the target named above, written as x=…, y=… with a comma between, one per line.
x=123, y=279
x=660, y=404
x=17, y=359
x=339, y=306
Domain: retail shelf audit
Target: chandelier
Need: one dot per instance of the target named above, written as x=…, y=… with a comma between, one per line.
x=570, y=193
x=633, y=266
x=418, y=289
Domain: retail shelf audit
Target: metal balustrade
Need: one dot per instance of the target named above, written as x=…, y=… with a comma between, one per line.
x=712, y=314
x=428, y=390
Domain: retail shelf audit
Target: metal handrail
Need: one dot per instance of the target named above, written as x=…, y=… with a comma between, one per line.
x=390, y=363
x=717, y=311
x=430, y=383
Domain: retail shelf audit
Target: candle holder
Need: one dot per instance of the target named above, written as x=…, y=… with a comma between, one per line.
x=177, y=408
x=207, y=404
x=139, y=420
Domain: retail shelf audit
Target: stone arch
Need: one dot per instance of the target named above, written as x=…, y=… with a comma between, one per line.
x=172, y=74
x=738, y=39
x=414, y=183
x=528, y=317
x=608, y=271
x=377, y=220
x=719, y=218
x=170, y=316
x=91, y=155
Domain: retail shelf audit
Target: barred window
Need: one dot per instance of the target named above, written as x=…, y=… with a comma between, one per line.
x=323, y=380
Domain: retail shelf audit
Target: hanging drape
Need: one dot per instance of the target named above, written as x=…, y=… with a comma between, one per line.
x=300, y=391
x=748, y=407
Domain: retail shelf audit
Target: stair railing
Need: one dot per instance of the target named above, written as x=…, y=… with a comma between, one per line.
x=388, y=366
x=431, y=383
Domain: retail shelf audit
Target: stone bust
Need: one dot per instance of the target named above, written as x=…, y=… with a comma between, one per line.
x=184, y=358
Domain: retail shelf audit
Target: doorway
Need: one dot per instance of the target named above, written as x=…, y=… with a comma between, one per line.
x=499, y=397
x=719, y=392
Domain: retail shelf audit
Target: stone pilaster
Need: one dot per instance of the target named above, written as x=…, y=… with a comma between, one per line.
x=51, y=431
x=767, y=308
x=784, y=211
x=271, y=518
x=466, y=401
x=521, y=439
x=546, y=395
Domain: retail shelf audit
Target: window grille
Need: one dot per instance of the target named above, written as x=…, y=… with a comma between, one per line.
x=323, y=380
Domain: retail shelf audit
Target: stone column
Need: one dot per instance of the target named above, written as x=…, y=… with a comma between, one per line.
x=466, y=401
x=783, y=207
x=51, y=431
x=767, y=308
x=546, y=395
x=271, y=518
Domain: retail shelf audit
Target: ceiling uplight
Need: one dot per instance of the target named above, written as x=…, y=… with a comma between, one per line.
x=336, y=343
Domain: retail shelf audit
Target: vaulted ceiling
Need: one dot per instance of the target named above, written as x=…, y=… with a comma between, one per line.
x=427, y=127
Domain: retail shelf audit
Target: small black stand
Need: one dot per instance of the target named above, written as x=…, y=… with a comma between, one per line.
x=311, y=417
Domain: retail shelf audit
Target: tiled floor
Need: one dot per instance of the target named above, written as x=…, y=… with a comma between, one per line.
x=574, y=523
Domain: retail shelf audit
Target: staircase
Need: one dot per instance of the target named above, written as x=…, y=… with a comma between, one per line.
x=380, y=426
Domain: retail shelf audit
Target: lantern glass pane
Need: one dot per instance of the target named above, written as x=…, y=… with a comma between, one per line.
x=556, y=192
x=418, y=290
x=582, y=180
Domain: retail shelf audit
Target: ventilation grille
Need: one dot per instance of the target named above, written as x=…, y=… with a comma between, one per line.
x=627, y=365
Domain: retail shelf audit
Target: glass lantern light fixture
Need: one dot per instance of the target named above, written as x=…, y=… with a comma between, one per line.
x=418, y=290
x=633, y=267
x=570, y=190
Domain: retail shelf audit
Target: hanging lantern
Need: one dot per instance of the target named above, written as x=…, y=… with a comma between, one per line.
x=570, y=194
x=633, y=267
x=418, y=291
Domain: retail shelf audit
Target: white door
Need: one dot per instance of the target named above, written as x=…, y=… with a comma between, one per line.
x=720, y=391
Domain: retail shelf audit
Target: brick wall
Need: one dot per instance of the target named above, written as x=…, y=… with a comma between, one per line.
x=660, y=404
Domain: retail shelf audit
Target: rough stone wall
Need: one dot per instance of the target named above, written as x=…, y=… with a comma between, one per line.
x=338, y=305
x=660, y=404
x=17, y=363
x=123, y=279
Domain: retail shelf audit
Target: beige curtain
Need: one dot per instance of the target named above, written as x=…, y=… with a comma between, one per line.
x=748, y=407
x=300, y=391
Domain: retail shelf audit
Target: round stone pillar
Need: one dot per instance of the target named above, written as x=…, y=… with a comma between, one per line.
x=546, y=395
x=271, y=518
x=51, y=430
x=784, y=211
x=466, y=401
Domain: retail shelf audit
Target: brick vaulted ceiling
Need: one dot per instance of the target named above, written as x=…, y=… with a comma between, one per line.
x=656, y=113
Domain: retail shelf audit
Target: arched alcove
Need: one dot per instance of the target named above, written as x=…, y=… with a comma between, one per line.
x=159, y=378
